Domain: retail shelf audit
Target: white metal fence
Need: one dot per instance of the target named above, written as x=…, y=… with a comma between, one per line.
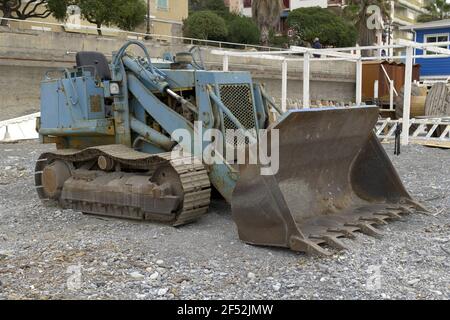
x=431, y=132
x=22, y=128
x=113, y=32
x=308, y=56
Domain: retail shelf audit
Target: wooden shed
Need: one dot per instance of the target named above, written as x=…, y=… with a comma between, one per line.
x=373, y=70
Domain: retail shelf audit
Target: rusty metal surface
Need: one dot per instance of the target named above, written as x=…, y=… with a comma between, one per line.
x=145, y=187
x=373, y=71
x=334, y=179
x=96, y=103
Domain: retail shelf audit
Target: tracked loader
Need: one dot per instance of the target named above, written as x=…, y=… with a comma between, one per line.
x=132, y=142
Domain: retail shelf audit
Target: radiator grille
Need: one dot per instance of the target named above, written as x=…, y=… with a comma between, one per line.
x=238, y=98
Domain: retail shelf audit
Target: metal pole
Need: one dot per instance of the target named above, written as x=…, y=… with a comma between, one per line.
x=225, y=62
x=148, y=21
x=284, y=86
x=407, y=95
x=359, y=82
x=306, y=72
x=391, y=94
x=359, y=75
x=375, y=89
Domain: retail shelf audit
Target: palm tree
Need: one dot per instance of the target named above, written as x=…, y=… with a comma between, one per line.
x=358, y=11
x=437, y=10
x=266, y=14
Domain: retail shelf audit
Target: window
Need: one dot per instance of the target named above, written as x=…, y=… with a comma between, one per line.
x=436, y=38
x=247, y=3
x=162, y=5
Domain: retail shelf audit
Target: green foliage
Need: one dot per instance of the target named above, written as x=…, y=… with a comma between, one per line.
x=126, y=14
x=205, y=25
x=358, y=13
x=278, y=41
x=59, y=8
x=217, y=6
x=98, y=12
x=437, y=10
x=242, y=30
x=20, y=9
x=332, y=30
x=130, y=14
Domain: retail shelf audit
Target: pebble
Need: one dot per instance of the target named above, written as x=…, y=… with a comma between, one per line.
x=137, y=275
x=162, y=291
x=40, y=248
x=413, y=282
x=154, y=276
x=276, y=287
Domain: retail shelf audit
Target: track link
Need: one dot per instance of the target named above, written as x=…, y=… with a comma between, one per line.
x=191, y=172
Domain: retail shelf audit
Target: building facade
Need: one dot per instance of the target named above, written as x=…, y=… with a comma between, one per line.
x=404, y=13
x=431, y=32
x=245, y=6
x=166, y=18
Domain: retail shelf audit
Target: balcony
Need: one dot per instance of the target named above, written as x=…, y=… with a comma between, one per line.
x=336, y=3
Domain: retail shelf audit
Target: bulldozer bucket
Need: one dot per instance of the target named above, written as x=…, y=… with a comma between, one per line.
x=334, y=179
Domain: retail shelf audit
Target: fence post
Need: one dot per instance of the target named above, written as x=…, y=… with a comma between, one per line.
x=407, y=95
x=225, y=62
x=376, y=85
x=358, y=82
x=306, y=72
x=284, y=86
x=391, y=94
x=7, y=136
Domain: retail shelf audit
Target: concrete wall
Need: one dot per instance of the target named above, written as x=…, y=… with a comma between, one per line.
x=26, y=55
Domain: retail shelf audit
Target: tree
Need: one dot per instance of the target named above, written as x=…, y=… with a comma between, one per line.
x=98, y=12
x=130, y=14
x=126, y=14
x=242, y=30
x=361, y=14
x=330, y=28
x=205, y=25
x=217, y=6
x=437, y=10
x=266, y=14
x=21, y=9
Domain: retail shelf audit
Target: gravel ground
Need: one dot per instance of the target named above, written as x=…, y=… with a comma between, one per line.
x=52, y=254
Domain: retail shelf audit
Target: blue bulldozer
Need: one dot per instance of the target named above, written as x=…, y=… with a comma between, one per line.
x=129, y=144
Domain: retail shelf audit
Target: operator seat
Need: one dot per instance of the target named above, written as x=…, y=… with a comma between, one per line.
x=96, y=60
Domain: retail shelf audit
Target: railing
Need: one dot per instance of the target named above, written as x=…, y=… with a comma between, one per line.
x=114, y=32
x=392, y=89
x=22, y=128
x=431, y=132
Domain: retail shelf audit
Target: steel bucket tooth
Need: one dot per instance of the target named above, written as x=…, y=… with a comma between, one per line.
x=334, y=178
